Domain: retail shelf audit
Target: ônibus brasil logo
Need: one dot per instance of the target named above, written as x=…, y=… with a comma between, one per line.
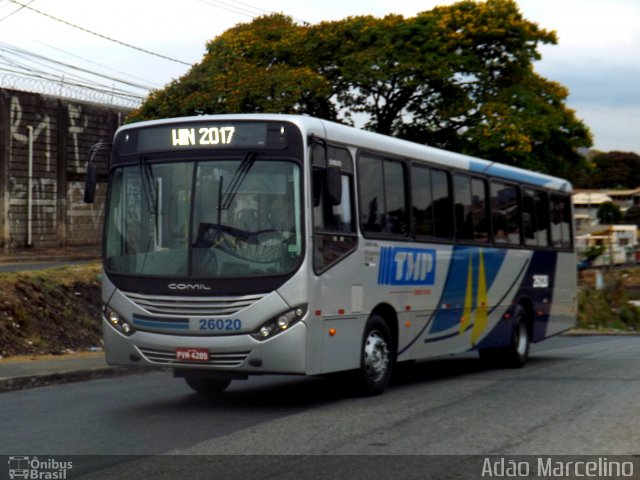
x=38, y=469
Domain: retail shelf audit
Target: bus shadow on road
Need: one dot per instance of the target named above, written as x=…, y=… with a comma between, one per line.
x=459, y=366
x=298, y=392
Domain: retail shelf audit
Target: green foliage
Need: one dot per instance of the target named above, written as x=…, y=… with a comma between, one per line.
x=614, y=170
x=609, y=213
x=608, y=308
x=458, y=77
x=593, y=252
x=632, y=215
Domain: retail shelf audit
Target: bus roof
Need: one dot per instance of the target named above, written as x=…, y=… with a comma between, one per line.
x=382, y=143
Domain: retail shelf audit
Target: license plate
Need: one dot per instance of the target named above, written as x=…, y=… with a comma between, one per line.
x=192, y=354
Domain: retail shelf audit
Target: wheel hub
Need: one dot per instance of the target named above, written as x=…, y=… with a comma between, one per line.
x=376, y=356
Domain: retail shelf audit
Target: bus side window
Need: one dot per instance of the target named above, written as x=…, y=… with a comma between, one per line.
x=383, y=206
x=442, y=205
x=535, y=218
x=560, y=221
x=505, y=213
x=328, y=217
x=470, y=208
x=334, y=225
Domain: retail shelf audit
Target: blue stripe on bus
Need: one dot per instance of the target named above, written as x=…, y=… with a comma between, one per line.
x=173, y=324
x=514, y=174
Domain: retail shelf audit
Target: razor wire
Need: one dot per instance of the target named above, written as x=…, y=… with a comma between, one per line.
x=114, y=97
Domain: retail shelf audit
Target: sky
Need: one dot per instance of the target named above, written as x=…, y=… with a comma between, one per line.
x=596, y=58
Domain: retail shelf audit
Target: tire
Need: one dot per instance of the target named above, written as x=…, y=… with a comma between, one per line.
x=377, y=356
x=517, y=353
x=207, y=386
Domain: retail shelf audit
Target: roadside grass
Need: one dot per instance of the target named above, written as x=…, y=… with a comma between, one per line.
x=610, y=307
x=52, y=311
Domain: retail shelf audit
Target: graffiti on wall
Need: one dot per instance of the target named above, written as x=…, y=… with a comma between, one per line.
x=57, y=210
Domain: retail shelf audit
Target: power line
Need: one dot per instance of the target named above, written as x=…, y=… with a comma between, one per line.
x=25, y=54
x=15, y=11
x=150, y=85
x=149, y=52
x=241, y=8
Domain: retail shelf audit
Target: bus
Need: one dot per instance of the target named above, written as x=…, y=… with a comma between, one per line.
x=239, y=245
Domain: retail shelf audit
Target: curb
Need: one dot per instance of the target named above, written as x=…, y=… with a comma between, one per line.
x=26, y=382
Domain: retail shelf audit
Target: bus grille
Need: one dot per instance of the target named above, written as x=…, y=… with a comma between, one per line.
x=190, y=306
x=168, y=357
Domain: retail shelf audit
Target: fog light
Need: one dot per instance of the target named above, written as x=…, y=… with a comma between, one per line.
x=265, y=331
x=283, y=322
x=114, y=318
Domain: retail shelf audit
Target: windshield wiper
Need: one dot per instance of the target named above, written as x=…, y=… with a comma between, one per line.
x=225, y=200
x=148, y=185
x=236, y=181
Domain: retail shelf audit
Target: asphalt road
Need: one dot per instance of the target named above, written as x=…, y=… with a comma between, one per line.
x=577, y=396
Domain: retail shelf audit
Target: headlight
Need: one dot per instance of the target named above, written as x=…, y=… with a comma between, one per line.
x=116, y=321
x=280, y=323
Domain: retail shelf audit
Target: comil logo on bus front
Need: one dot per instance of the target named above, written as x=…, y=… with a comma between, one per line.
x=407, y=266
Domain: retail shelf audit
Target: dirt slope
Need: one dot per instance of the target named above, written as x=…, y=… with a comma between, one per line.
x=51, y=311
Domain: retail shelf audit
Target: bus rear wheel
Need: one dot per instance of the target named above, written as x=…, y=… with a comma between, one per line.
x=516, y=353
x=376, y=358
x=207, y=386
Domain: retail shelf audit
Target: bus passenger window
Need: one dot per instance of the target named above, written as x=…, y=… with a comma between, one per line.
x=463, y=207
x=479, y=210
x=535, y=218
x=505, y=213
x=382, y=196
x=441, y=204
x=560, y=221
x=470, y=208
x=421, y=201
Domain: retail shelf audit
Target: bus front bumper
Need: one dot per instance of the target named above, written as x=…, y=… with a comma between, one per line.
x=283, y=353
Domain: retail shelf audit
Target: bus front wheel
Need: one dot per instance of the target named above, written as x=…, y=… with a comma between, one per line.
x=376, y=358
x=207, y=386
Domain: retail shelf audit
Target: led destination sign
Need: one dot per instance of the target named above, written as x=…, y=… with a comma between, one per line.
x=186, y=137
x=183, y=136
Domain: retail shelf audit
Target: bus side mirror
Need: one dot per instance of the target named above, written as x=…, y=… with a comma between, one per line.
x=91, y=181
x=333, y=182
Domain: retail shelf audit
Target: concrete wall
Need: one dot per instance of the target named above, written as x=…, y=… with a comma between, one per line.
x=63, y=132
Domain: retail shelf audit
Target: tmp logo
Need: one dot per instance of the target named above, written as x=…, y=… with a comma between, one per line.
x=407, y=266
x=38, y=469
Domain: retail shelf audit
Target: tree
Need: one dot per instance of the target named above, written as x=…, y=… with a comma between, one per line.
x=615, y=170
x=458, y=77
x=609, y=213
x=632, y=216
x=257, y=67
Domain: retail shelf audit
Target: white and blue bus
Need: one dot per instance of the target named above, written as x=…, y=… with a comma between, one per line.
x=238, y=245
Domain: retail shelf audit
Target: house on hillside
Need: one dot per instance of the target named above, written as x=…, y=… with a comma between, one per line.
x=620, y=242
x=585, y=207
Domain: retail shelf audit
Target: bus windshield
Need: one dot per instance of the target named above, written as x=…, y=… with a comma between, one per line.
x=233, y=217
